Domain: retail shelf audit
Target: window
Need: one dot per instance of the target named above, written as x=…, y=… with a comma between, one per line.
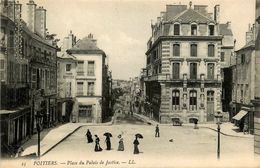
x=211, y=50
x=176, y=99
x=11, y=39
x=211, y=71
x=160, y=68
x=193, y=30
x=211, y=30
x=222, y=59
x=68, y=67
x=243, y=58
x=90, y=91
x=193, y=100
x=176, y=70
x=2, y=64
x=176, y=49
x=91, y=65
x=79, y=88
x=68, y=89
x=80, y=70
x=193, y=50
x=193, y=71
x=176, y=29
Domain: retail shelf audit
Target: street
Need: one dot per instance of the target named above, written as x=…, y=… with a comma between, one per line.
x=188, y=143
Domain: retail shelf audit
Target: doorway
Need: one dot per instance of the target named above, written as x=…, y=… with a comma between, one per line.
x=210, y=106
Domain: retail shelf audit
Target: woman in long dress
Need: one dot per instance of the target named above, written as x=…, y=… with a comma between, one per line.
x=89, y=136
x=136, y=143
x=108, y=142
x=97, y=146
x=121, y=143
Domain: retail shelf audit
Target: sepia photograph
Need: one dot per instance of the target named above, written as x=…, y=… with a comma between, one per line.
x=130, y=83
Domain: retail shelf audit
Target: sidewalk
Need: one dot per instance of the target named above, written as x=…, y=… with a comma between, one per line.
x=228, y=129
x=53, y=137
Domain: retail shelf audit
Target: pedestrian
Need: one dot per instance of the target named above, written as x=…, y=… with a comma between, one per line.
x=108, y=142
x=245, y=128
x=89, y=136
x=136, y=143
x=97, y=146
x=157, y=131
x=121, y=143
x=195, y=124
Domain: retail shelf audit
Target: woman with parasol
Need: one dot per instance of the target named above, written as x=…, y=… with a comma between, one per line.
x=97, y=146
x=121, y=143
x=89, y=136
x=136, y=143
x=108, y=142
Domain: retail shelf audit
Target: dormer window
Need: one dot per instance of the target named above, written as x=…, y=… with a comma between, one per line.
x=211, y=30
x=193, y=30
x=176, y=29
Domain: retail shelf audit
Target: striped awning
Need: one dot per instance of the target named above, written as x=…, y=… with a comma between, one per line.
x=240, y=115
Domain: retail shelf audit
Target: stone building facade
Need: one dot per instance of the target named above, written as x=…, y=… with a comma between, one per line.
x=28, y=76
x=183, y=65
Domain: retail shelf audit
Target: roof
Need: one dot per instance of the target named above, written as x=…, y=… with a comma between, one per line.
x=224, y=30
x=66, y=56
x=191, y=15
x=248, y=45
x=85, y=46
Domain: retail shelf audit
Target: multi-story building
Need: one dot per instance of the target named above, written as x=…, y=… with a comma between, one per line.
x=227, y=59
x=243, y=90
x=183, y=64
x=92, y=82
x=28, y=74
x=66, y=76
x=256, y=101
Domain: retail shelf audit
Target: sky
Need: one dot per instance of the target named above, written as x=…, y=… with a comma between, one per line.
x=123, y=27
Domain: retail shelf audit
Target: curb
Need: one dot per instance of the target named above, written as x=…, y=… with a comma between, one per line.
x=61, y=140
x=237, y=136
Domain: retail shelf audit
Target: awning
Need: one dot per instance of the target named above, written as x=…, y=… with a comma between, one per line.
x=240, y=115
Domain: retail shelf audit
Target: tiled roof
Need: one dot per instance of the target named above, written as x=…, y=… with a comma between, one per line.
x=223, y=30
x=85, y=45
x=191, y=15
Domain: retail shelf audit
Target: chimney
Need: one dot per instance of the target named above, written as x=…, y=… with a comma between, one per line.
x=202, y=9
x=228, y=25
x=30, y=18
x=40, y=21
x=158, y=20
x=216, y=13
x=249, y=34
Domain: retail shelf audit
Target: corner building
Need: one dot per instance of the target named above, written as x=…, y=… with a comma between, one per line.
x=183, y=78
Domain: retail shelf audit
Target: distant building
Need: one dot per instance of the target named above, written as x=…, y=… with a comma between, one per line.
x=183, y=65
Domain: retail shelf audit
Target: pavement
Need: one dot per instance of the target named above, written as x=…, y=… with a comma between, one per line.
x=53, y=137
x=227, y=128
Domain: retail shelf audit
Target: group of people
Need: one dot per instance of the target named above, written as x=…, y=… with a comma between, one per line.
x=120, y=142
x=107, y=140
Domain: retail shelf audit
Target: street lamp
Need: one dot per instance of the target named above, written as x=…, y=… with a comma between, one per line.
x=218, y=117
x=38, y=126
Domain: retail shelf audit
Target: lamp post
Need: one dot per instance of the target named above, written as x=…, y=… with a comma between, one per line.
x=38, y=126
x=218, y=117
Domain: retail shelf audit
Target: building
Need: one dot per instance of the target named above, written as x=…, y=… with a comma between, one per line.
x=28, y=75
x=256, y=101
x=66, y=77
x=227, y=59
x=183, y=65
x=92, y=82
x=243, y=83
